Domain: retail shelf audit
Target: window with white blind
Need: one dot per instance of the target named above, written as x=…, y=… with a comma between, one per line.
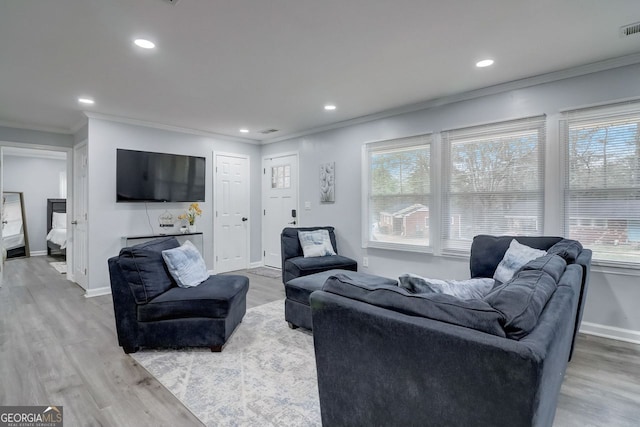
x=398, y=184
x=602, y=180
x=493, y=181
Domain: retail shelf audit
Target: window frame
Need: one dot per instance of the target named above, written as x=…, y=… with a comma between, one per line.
x=384, y=145
x=490, y=132
x=586, y=117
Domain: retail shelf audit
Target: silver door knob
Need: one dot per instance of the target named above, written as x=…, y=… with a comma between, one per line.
x=74, y=222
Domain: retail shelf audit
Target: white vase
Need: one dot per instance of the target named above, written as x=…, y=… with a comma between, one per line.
x=192, y=228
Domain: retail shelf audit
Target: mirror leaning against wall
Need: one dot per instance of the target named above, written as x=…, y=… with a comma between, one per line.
x=15, y=240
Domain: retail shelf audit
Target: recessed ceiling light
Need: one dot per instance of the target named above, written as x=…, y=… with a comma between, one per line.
x=484, y=63
x=244, y=130
x=85, y=100
x=145, y=44
x=330, y=107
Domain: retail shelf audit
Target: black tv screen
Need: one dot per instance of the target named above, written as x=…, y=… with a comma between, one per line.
x=143, y=176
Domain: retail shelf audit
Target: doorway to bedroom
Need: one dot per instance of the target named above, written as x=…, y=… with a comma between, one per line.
x=34, y=192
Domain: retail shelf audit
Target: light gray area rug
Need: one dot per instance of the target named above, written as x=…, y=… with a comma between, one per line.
x=264, y=376
x=274, y=273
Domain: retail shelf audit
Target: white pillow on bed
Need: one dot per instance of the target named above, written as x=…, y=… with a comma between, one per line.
x=59, y=220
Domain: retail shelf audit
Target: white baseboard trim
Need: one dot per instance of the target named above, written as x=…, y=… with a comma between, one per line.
x=256, y=264
x=37, y=253
x=90, y=293
x=611, y=332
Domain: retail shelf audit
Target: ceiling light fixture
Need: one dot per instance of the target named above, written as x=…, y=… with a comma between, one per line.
x=244, y=130
x=145, y=44
x=329, y=107
x=484, y=63
x=85, y=100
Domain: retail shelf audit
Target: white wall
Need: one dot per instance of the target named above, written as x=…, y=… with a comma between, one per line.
x=613, y=295
x=109, y=221
x=38, y=179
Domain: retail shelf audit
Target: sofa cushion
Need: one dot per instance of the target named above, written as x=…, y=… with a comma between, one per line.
x=475, y=314
x=516, y=256
x=300, y=288
x=211, y=299
x=567, y=249
x=550, y=264
x=144, y=268
x=521, y=300
x=186, y=265
x=301, y=266
x=464, y=289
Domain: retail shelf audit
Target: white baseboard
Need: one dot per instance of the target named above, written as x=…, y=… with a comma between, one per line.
x=37, y=253
x=256, y=264
x=90, y=293
x=611, y=332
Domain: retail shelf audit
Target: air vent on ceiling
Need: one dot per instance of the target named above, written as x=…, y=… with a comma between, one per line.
x=268, y=131
x=629, y=30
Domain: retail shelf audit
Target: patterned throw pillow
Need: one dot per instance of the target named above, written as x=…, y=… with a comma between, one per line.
x=186, y=265
x=463, y=289
x=315, y=243
x=514, y=259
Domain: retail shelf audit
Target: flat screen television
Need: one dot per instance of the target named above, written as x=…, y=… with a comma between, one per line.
x=143, y=176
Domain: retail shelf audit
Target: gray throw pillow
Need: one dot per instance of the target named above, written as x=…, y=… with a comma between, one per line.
x=316, y=243
x=463, y=289
x=186, y=265
x=516, y=256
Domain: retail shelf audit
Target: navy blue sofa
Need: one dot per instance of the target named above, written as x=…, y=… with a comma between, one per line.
x=152, y=311
x=385, y=356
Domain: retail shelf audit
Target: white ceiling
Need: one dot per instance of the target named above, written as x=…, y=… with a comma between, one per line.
x=225, y=64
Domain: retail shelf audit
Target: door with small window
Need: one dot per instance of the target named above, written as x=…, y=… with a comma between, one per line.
x=280, y=203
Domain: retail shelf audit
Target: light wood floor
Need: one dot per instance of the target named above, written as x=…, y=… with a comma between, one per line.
x=59, y=348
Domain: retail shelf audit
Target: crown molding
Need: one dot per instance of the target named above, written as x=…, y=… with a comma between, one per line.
x=42, y=153
x=582, y=70
x=39, y=128
x=154, y=125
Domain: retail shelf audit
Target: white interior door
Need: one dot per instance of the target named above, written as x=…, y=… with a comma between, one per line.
x=2, y=220
x=80, y=208
x=231, y=221
x=280, y=203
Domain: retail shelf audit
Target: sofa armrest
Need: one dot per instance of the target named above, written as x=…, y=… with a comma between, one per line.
x=124, y=307
x=379, y=366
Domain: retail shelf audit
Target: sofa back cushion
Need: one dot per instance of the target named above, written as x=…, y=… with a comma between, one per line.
x=473, y=313
x=144, y=268
x=521, y=300
x=553, y=265
x=487, y=251
x=567, y=249
x=290, y=242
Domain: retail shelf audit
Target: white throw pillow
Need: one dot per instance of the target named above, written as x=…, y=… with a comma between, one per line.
x=514, y=259
x=463, y=289
x=59, y=220
x=186, y=265
x=315, y=243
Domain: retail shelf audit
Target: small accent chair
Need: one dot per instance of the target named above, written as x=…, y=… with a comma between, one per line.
x=152, y=311
x=294, y=264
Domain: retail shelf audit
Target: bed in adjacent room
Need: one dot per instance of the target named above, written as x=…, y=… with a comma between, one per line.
x=56, y=226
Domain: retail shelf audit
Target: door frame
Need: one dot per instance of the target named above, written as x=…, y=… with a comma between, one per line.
x=69, y=153
x=214, y=204
x=71, y=267
x=264, y=183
